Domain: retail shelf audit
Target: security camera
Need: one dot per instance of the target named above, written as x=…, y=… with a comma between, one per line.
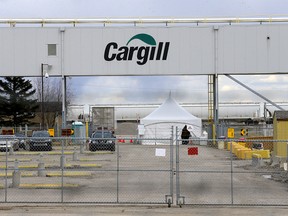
x=46, y=75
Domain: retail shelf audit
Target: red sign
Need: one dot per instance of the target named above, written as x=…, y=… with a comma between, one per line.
x=193, y=151
x=67, y=132
x=7, y=132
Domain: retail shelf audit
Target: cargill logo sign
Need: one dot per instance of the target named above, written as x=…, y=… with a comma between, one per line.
x=150, y=51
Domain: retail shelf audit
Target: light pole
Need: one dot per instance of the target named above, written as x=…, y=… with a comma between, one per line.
x=44, y=72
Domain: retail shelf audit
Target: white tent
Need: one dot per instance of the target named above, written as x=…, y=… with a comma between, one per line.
x=159, y=123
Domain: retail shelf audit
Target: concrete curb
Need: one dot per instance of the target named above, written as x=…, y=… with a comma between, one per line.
x=35, y=166
x=51, y=174
x=13, y=160
x=69, y=174
x=57, y=153
x=47, y=186
x=23, y=174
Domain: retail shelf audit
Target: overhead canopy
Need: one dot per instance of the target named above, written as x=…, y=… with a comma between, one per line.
x=159, y=123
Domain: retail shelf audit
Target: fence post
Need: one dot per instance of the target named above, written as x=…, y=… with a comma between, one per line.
x=179, y=200
x=231, y=170
x=169, y=198
x=62, y=166
x=41, y=166
x=16, y=175
x=62, y=161
x=81, y=148
x=75, y=154
x=11, y=150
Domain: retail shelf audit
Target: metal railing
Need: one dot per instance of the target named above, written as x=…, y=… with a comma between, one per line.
x=144, y=20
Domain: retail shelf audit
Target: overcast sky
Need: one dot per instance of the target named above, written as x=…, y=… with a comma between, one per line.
x=107, y=90
x=136, y=8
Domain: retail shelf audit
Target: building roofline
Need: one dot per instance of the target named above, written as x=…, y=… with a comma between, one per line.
x=144, y=20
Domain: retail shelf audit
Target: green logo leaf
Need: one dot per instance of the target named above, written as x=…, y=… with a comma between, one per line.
x=148, y=39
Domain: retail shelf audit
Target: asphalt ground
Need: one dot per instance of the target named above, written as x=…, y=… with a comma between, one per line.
x=140, y=210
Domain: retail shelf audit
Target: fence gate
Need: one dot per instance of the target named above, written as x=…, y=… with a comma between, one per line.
x=213, y=173
x=203, y=176
x=145, y=173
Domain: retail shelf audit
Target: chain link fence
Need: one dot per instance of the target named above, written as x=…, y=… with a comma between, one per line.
x=203, y=172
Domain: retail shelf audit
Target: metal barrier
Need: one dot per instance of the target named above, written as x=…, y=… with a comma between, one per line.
x=203, y=172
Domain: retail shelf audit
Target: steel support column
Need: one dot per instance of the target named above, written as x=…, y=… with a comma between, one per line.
x=215, y=85
x=62, y=31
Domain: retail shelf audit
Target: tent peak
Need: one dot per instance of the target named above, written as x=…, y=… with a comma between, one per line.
x=159, y=122
x=170, y=110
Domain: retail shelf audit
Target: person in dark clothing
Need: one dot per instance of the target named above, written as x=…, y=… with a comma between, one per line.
x=185, y=135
